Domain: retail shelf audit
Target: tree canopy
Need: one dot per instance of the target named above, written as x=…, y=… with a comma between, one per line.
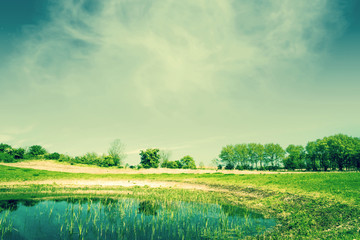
x=150, y=158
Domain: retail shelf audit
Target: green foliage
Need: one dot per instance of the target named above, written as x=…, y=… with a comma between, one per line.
x=229, y=166
x=7, y=158
x=187, y=162
x=273, y=154
x=171, y=164
x=52, y=156
x=5, y=148
x=150, y=158
x=36, y=151
x=164, y=156
x=227, y=155
x=295, y=158
x=335, y=152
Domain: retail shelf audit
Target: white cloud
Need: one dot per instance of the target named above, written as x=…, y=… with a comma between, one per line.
x=163, y=49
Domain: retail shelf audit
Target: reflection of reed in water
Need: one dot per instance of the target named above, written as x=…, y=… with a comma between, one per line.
x=90, y=218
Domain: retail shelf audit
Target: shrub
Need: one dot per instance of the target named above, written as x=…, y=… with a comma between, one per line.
x=229, y=166
x=52, y=156
x=7, y=158
x=36, y=151
x=150, y=158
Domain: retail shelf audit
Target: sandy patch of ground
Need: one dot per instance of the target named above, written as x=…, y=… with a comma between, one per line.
x=51, y=165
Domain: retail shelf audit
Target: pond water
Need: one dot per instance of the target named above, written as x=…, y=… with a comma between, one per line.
x=126, y=218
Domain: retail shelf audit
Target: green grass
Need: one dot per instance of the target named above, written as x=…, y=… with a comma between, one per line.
x=307, y=205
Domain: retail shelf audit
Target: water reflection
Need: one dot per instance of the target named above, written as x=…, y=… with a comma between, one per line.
x=96, y=218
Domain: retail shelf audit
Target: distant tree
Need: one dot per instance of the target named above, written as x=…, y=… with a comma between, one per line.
x=322, y=153
x=356, y=154
x=311, y=159
x=171, y=164
x=341, y=148
x=5, y=157
x=228, y=155
x=201, y=165
x=295, y=158
x=5, y=148
x=188, y=162
x=164, y=156
x=229, y=166
x=107, y=161
x=117, y=152
x=256, y=154
x=18, y=153
x=150, y=158
x=215, y=162
x=273, y=154
x=53, y=156
x=36, y=150
x=241, y=156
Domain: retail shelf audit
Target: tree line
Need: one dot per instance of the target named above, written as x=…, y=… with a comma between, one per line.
x=115, y=156
x=337, y=152
x=150, y=158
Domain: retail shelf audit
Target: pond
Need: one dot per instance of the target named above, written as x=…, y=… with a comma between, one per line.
x=126, y=218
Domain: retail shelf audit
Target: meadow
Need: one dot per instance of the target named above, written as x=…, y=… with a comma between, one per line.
x=305, y=205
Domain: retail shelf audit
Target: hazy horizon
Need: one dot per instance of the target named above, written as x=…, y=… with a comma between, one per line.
x=185, y=76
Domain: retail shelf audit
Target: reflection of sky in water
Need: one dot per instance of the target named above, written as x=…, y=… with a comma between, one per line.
x=127, y=219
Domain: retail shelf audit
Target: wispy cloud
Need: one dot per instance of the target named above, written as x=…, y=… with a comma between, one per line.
x=169, y=51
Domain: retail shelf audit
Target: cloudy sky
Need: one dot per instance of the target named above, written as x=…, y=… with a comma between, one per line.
x=187, y=76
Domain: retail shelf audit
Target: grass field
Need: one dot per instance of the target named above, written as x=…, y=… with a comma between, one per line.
x=309, y=205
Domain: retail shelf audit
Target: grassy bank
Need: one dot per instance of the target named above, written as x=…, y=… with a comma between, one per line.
x=311, y=205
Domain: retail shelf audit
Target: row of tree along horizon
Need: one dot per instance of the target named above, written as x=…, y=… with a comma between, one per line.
x=337, y=152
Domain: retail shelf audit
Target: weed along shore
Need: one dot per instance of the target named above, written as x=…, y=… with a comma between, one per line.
x=163, y=205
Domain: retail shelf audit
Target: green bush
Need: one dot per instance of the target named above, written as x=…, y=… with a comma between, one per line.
x=187, y=162
x=7, y=158
x=150, y=158
x=229, y=166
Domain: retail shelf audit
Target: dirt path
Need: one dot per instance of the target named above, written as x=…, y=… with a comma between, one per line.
x=51, y=165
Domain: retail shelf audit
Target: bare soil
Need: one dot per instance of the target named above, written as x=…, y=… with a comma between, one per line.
x=51, y=165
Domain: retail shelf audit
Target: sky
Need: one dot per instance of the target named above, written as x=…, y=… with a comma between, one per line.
x=188, y=77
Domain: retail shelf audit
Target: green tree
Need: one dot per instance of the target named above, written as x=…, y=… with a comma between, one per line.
x=117, y=152
x=256, y=154
x=53, y=156
x=18, y=153
x=356, y=154
x=341, y=148
x=188, y=162
x=322, y=153
x=5, y=148
x=228, y=155
x=150, y=158
x=5, y=157
x=273, y=154
x=164, y=156
x=241, y=156
x=36, y=151
x=295, y=158
x=311, y=160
